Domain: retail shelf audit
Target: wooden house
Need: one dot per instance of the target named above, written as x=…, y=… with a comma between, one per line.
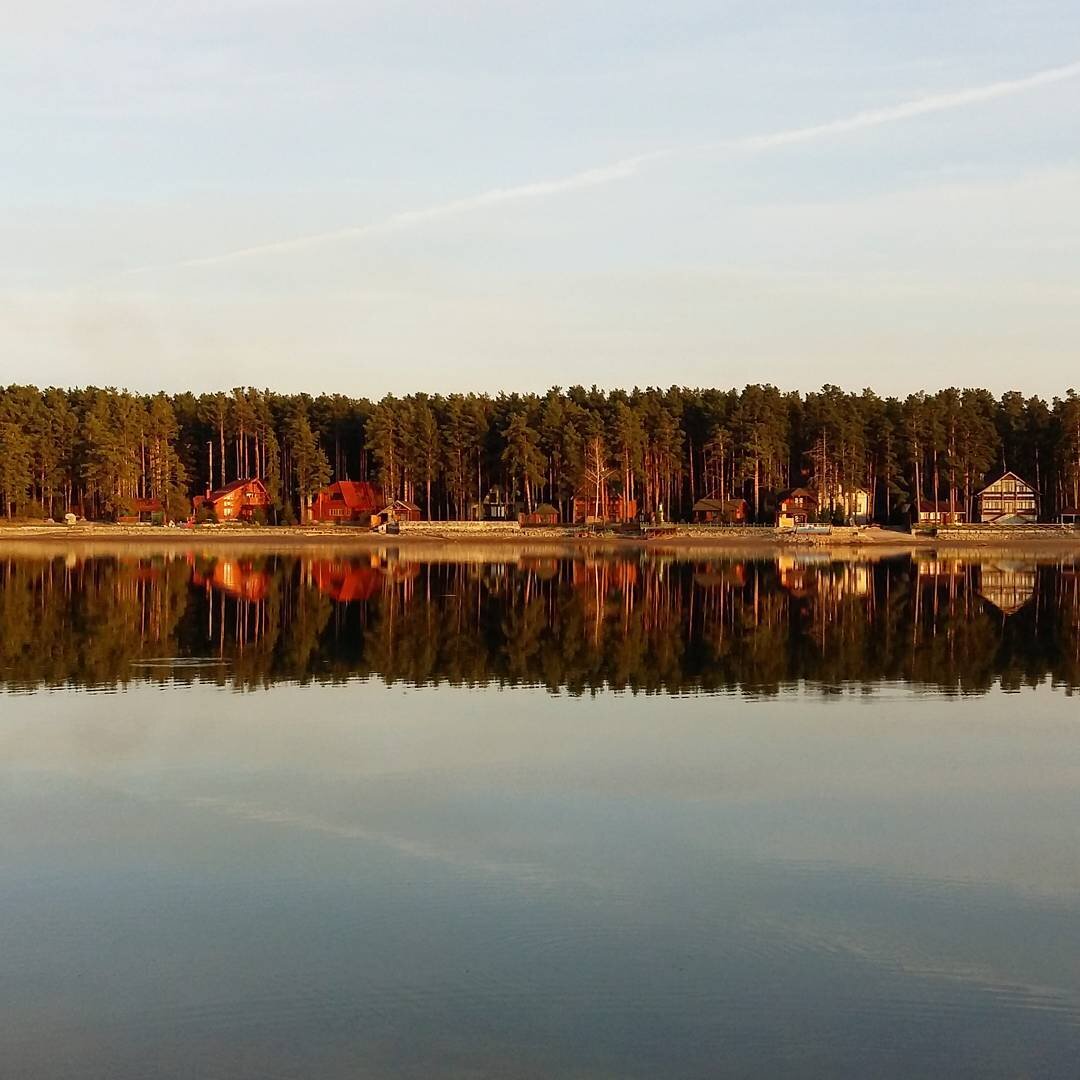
x=796, y=507
x=544, y=514
x=720, y=511
x=1009, y=500
x=397, y=510
x=1070, y=515
x=494, y=506
x=854, y=504
x=610, y=507
x=347, y=501
x=144, y=512
x=940, y=512
x=239, y=501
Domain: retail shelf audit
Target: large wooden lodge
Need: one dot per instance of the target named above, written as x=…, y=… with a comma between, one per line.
x=1009, y=500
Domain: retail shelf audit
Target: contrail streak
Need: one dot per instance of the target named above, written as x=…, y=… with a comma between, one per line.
x=588, y=178
x=627, y=167
x=918, y=107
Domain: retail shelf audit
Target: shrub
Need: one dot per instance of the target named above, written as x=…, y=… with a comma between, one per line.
x=178, y=506
x=205, y=516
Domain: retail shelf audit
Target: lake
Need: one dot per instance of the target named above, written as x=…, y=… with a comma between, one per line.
x=528, y=813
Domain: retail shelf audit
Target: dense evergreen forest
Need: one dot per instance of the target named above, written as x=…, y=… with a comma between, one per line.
x=93, y=451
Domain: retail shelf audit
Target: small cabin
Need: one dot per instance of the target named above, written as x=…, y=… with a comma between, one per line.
x=397, y=510
x=1009, y=500
x=588, y=510
x=940, y=512
x=854, y=504
x=241, y=500
x=144, y=512
x=720, y=511
x=544, y=514
x=796, y=507
x=347, y=501
x=1070, y=515
x=494, y=506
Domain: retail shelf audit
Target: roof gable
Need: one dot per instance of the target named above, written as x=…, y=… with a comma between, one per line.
x=1024, y=486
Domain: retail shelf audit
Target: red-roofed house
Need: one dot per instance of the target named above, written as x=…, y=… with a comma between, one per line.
x=347, y=500
x=238, y=501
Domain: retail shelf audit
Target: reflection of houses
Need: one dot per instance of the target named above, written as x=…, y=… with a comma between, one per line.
x=237, y=578
x=589, y=510
x=797, y=577
x=239, y=501
x=938, y=567
x=1008, y=501
x=720, y=575
x=544, y=514
x=796, y=508
x=940, y=512
x=605, y=573
x=347, y=500
x=1006, y=585
x=345, y=580
x=720, y=511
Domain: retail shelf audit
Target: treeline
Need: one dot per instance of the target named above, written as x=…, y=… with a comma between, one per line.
x=94, y=451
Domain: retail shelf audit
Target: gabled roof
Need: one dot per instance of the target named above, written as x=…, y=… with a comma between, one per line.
x=718, y=504
x=1003, y=476
x=236, y=485
x=546, y=508
x=357, y=494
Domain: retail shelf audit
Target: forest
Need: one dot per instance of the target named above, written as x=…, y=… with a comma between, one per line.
x=93, y=451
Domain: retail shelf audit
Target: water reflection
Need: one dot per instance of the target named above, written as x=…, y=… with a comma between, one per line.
x=567, y=622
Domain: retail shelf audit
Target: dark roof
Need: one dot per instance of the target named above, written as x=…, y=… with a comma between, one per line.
x=147, y=505
x=546, y=508
x=236, y=485
x=718, y=504
x=940, y=506
x=797, y=493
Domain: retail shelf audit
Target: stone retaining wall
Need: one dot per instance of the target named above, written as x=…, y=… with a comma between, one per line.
x=1003, y=532
x=461, y=528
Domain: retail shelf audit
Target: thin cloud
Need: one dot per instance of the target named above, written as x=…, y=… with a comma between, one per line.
x=918, y=107
x=628, y=167
x=541, y=189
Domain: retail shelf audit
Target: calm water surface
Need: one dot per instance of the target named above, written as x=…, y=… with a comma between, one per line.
x=529, y=816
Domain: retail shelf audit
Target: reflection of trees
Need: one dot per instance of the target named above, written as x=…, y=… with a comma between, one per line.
x=580, y=624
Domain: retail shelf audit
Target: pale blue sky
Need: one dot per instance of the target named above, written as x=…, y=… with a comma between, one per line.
x=299, y=195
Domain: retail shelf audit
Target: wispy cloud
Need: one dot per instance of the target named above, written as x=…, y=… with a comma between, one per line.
x=627, y=167
x=588, y=178
x=908, y=109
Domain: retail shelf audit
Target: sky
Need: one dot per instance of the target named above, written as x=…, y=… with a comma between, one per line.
x=366, y=196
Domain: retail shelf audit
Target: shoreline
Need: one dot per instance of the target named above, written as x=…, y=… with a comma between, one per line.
x=880, y=542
